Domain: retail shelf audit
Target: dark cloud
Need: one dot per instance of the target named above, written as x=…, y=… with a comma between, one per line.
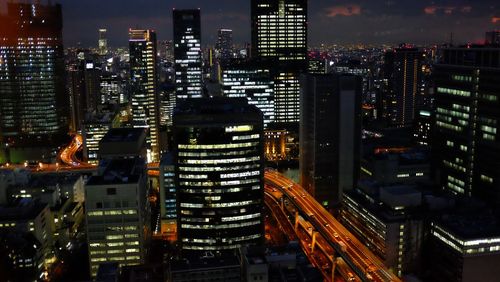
x=330, y=21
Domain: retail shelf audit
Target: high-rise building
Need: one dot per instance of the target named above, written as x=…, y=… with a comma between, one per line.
x=33, y=103
x=493, y=37
x=330, y=135
x=84, y=90
x=103, y=42
x=225, y=45
x=279, y=39
x=143, y=75
x=403, y=76
x=467, y=121
x=118, y=214
x=187, y=53
x=252, y=82
x=112, y=89
x=219, y=174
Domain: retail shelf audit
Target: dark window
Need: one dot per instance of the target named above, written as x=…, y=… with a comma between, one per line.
x=98, y=205
x=111, y=191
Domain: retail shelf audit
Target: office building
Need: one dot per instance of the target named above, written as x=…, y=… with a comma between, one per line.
x=279, y=40
x=25, y=216
x=219, y=174
x=84, y=91
x=118, y=214
x=422, y=131
x=123, y=143
x=403, y=76
x=251, y=82
x=224, y=45
x=464, y=247
x=387, y=219
x=467, y=122
x=145, y=99
x=187, y=53
x=103, y=42
x=94, y=129
x=168, y=195
x=330, y=135
x=112, y=89
x=492, y=37
x=33, y=102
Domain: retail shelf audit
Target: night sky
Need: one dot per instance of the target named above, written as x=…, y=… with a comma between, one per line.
x=354, y=21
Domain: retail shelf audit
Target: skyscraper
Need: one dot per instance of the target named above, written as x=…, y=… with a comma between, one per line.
x=279, y=40
x=187, y=53
x=330, y=135
x=225, y=45
x=219, y=174
x=467, y=121
x=33, y=103
x=403, y=75
x=103, y=42
x=145, y=100
x=84, y=90
x=252, y=82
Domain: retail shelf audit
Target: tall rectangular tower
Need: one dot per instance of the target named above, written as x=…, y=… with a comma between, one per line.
x=279, y=40
x=225, y=45
x=330, y=135
x=467, y=122
x=187, y=53
x=33, y=103
x=403, y=74
x=143, y=75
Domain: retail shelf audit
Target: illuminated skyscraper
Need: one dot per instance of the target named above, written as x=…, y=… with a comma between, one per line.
x=187, y=53
x=403, y=75
x=467, y=122
x=219, y=174
x=225, y=45
x=145, y=100
x=33, y=103
x=103, y=42
x=279, y=39
x=252, y=82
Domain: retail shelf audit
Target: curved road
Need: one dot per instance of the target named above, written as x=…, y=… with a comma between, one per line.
x=348, y=246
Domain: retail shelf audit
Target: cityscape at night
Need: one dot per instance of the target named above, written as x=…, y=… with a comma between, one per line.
x=249, y=140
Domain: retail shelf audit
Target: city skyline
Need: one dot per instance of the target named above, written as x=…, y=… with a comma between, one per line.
x=361, y=21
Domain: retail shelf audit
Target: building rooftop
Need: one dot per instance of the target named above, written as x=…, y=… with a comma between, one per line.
x=216, y=106
x=115, y=135
x=119, y=171
x=191, y=263
x=21, y=209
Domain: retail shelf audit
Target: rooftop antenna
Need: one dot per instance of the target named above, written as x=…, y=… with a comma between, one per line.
x=451, y=38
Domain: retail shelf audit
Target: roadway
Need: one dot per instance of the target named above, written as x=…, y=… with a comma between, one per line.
x=67, y=156
x=353, y=252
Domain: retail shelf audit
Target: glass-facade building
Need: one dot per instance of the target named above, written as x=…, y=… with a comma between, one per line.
x=279, y=39
x=187, y=53
x=253, y=83
x=33, y=103
x=143, y=75
x=467, y=121
x=219, y=174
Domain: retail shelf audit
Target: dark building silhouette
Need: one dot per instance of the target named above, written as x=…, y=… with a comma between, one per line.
x=402, y=77
x=330, y=135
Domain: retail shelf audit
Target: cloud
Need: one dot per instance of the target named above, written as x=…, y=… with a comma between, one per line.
x=344, y=10
x=448, y=10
